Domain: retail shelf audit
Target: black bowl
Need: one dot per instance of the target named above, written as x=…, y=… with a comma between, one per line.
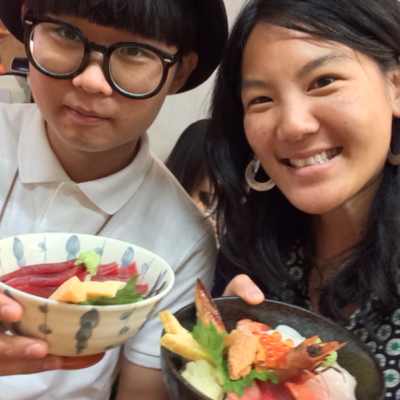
x=355, y=357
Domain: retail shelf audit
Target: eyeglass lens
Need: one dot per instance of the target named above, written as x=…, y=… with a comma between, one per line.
x=60, y=51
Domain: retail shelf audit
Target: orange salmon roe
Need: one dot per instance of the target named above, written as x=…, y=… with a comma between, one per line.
x=273, y=348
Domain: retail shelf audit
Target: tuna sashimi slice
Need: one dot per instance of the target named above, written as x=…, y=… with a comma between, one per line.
x=107, y=269
x=251, y=393
x=39, y=269
x=56, y=279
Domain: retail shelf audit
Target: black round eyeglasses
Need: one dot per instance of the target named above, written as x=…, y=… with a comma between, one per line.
x=62, y=51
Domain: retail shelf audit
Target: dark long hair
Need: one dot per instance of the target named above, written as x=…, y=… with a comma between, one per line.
x=258, y=230
x=168, y=21
x=187, y=160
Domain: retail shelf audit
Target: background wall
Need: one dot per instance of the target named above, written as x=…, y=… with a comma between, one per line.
x=181, y=110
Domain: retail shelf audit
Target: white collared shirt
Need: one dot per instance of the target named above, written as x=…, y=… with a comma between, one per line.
x=149, y=208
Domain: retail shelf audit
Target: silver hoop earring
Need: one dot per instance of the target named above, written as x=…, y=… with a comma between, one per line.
x=251, y=171
x=394, y=159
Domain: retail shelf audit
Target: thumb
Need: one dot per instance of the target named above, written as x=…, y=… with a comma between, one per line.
x=245, y=288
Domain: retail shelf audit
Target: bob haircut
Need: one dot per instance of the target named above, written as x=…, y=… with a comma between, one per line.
x=168, y=21
x=260, y=229
x=187, y=160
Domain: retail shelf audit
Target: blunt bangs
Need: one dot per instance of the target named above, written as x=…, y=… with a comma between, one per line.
x=169, y=21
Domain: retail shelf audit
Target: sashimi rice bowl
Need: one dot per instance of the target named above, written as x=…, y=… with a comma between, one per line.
x=83, y=294
x=228, y=350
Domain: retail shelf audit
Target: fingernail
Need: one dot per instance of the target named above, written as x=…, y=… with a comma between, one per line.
x=34, y=350
x=254, y=293
x=7, y=312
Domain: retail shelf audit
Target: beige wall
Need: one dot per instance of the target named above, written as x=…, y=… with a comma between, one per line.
x=181, y=110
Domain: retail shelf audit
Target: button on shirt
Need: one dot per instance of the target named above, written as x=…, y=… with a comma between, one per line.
x=149, y=208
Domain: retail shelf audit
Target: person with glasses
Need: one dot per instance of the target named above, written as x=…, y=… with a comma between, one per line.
x=78, y=160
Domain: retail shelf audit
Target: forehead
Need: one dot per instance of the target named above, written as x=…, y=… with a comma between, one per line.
x=108, y=35
x=270, y=44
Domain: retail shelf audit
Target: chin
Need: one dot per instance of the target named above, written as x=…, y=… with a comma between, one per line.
x=315, y=205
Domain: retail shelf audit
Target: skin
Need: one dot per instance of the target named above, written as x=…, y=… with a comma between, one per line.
x=89, y=151
x=95, y=150
x=302, y=95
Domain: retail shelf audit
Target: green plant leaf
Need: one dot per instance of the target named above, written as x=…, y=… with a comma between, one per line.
x=126, y=295
x=213, y=343
x=90, y=259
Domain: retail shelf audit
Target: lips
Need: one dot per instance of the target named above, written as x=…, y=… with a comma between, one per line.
x=86, y=113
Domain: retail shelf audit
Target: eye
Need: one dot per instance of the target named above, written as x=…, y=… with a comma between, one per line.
x=68, y=34
x=323, y=82
x=260, y=100
x=133, y=51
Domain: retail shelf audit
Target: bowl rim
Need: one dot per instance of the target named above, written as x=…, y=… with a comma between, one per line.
x=116, y=307
x=165, y=353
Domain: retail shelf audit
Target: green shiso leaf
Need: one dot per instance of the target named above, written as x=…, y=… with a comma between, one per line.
x=126, y=295
x=213, y=343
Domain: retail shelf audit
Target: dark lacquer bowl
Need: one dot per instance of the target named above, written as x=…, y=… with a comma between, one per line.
x=355, y=357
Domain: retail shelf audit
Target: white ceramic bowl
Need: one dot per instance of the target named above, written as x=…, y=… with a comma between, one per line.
x=75, y=330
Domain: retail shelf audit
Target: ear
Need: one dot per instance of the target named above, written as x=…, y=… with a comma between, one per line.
x=183, y=71
x=394, y=79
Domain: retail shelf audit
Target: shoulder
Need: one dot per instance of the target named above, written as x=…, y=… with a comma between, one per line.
x=13, y=118
x=164, y=219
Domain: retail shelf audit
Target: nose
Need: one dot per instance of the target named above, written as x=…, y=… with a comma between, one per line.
x=92, y=78
x=296, y=120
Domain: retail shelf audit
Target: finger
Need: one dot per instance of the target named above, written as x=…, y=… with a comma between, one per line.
x=245, y=288
x=18, y=367
x=10, y=310
x=15, y=347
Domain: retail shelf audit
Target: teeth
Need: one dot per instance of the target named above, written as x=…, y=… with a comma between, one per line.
x=317, y=159
x=310, y=161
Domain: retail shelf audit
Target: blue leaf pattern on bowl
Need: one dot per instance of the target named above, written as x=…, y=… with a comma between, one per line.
x=127, y=258
x=73, y=246
x=158, y=286
x=18, y=250
x=43, y=248
x=145, y=268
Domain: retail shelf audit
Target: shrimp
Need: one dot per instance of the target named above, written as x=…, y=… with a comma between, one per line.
x=298, y=364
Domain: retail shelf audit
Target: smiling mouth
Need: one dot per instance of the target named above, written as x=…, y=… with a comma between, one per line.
x=320, y=158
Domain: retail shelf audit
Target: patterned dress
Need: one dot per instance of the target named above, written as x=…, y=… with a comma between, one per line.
x=386, y=348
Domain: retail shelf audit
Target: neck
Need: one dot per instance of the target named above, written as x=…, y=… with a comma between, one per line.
x=342, y=228
x=85, y=166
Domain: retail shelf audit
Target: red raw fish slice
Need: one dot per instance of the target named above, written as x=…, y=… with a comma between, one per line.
x=272, y=391
x=120, y=278
x=255, y=327
x=39, y=269
x=142, y=289
x=132, y=268
x=251, y=393
x=48, y=279
x=301, y=393
x=107, y=269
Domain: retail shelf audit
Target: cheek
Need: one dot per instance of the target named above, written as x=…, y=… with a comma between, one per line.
x=258, y=132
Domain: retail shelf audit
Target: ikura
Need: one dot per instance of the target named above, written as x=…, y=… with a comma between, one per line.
x=272, y=348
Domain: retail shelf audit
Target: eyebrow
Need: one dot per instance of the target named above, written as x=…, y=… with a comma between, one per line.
x=312, y=65
x=307, y=69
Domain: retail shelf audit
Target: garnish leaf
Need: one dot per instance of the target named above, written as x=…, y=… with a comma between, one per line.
x=90, y=259
x=126, y=295
x=213, y=342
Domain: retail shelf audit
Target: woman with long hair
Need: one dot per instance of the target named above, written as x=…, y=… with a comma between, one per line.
x=303, y=144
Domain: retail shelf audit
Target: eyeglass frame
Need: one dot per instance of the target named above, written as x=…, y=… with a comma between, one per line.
x=168, y=60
